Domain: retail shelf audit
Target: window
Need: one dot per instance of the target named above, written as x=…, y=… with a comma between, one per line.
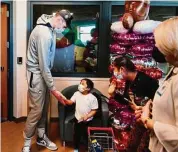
x=76, y=49
x=117, y=12
x=84, y=50
x=161, y=13
x=85, y=33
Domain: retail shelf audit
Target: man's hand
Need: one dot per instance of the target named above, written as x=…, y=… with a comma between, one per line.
x=59, y=96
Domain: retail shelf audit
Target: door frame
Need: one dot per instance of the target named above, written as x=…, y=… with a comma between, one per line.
x=10, y=60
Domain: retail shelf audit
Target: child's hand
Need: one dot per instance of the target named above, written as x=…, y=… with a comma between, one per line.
x=85, y=118
x=114, y=83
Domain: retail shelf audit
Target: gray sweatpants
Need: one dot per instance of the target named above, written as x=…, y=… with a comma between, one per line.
x=39, y=102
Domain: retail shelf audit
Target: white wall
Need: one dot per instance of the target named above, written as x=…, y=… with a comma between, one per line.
x=20, y=44
x=20, y=83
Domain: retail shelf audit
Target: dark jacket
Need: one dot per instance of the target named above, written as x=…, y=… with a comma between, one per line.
x=142, y=86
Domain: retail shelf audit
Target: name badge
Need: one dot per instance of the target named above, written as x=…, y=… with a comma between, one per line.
x=162, y=88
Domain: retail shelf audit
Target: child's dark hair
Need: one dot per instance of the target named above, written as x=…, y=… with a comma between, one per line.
x=90, y=83
x=125, y=62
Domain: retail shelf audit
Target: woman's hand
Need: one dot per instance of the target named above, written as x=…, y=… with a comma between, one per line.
x=141, y=113
x=112, y=88
x=146, y=113
x=138, y=113
x=146, y=110
x=134, y=106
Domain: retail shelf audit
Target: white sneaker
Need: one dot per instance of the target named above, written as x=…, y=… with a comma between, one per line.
x=26, y=149
x=27, y=144
x=44, y=141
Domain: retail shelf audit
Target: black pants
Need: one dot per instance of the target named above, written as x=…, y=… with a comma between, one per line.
x=80, y=130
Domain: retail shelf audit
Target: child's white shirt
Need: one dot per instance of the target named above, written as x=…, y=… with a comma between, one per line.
x=84, y=104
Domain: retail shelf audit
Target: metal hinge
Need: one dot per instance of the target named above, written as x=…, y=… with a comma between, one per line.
x=7, y=13
x=8, y=45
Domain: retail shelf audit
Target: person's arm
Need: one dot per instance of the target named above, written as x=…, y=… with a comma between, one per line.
x=59, y=96
x=90, y=114
x=134, y=106
x=148, y=123
x=145, y=115
x=44, y=43
x=72, y=99
x=111, y=89
x=167, y=134
x=69, y=102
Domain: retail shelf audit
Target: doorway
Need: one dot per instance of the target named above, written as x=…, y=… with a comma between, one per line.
x=6, y=66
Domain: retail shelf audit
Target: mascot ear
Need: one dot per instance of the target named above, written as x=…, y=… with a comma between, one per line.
x=135, y=11
x=127, y=21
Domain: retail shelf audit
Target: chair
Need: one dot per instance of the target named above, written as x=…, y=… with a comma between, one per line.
x=66, y=114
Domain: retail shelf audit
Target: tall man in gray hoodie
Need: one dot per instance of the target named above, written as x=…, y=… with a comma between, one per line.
x=40, y=57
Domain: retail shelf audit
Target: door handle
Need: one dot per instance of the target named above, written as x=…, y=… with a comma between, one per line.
x=2, y=69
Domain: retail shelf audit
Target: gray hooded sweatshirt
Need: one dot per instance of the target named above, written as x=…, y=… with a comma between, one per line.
x=41, y=50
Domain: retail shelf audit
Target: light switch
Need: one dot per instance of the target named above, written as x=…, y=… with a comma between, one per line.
x=19, y=60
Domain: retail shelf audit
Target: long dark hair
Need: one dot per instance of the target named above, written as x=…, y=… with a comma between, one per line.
x=125, y=62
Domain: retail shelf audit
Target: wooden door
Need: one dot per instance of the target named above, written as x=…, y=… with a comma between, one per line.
x=4, y=61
